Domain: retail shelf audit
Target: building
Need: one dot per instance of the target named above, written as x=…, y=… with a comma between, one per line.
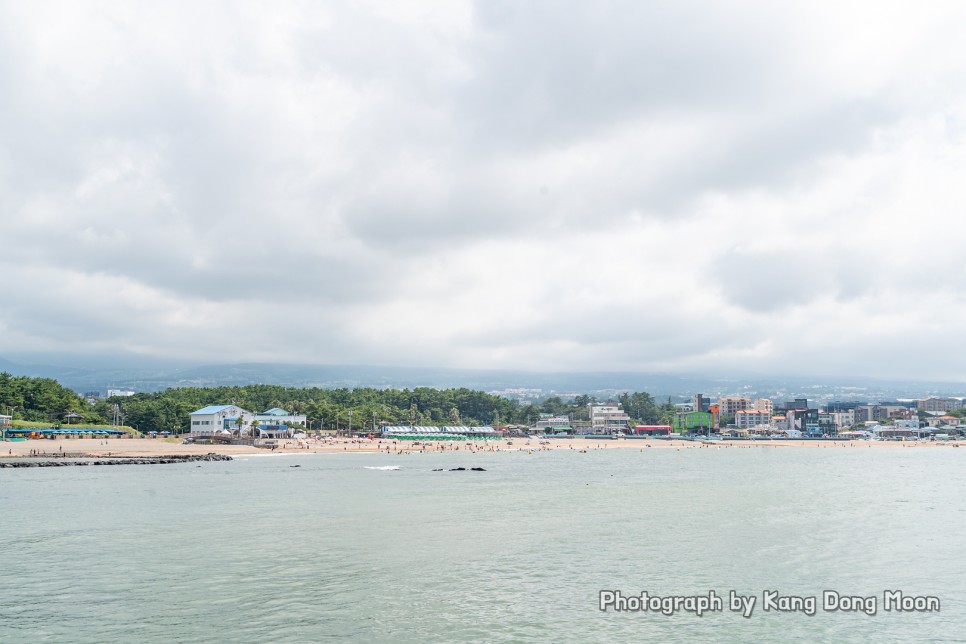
x=652, y=430
x=220, y=420
x=839, y=405
x=826, y=424
x=731, y=406
x=797, y=404
x=700, y=403
x=885, y=412
x=939, y=404
x=6, y=423
x=694, y=422
x=764, y=404
x=277, y=418
x=841, y=419
x=803, y=420
x=748, y=418
x=608, y=419
x=550, y=424
x=231, y=421
x=124, y=393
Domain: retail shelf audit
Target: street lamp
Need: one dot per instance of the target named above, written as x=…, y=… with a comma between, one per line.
x=350, y=423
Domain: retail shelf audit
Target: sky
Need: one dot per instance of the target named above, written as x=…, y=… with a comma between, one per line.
x=671, y=186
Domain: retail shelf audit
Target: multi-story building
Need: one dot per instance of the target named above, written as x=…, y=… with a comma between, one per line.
x=608, y=419
x=748, y=418
x=731, y=406
x=700, y=403
x=827, y=424
x=694, y=422
x=764, y=404
x=797, y=404
x=939, y=404
x=842, y=419
x=803, y=420
x=232, y=421
x=219, y=420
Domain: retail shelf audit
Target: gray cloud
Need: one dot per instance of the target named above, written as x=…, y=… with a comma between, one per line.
x=485, y=184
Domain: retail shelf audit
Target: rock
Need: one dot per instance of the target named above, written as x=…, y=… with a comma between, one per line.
x=140, y=460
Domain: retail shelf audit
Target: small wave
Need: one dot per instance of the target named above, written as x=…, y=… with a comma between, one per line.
x=384, y=468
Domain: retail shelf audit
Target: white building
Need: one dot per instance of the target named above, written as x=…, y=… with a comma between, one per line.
x=764, y=404
x=551, y=424
x=607, y=419
x=748, y=418
x=220, y=420
x=119, y=392
x=231, y=421
x=276, y=417
x=843, y=419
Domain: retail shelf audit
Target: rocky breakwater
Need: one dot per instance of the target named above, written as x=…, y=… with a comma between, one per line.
x=131, y=460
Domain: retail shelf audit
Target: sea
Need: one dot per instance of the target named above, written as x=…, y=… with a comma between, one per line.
x=341, y=547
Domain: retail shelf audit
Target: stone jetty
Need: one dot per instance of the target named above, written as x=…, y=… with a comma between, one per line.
x=130, y=460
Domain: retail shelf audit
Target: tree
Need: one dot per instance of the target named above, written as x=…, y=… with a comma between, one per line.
x=240, y=424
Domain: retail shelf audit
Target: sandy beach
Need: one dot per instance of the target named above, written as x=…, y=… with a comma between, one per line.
x=125, y=447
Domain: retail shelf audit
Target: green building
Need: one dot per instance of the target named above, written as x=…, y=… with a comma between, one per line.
x=693, y=422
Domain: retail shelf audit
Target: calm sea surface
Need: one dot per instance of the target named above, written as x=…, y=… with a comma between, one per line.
x=257, y=550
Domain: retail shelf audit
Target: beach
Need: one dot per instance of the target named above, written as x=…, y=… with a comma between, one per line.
x=127, y=447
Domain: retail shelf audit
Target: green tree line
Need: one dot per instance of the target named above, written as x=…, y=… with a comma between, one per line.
x=44, y=399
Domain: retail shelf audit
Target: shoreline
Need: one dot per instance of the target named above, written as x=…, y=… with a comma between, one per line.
x=149, y=447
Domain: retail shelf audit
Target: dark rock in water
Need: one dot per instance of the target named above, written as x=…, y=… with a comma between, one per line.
x=295, y=466
x=136, y=460
x=477, y=469
x=438, y=469
x=457, y=469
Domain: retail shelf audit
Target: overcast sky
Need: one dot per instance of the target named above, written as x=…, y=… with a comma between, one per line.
x=594, y=186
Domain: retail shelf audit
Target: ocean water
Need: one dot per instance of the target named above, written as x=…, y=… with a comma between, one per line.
x=257, y=550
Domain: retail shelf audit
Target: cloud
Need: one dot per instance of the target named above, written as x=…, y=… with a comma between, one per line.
x=675, y=186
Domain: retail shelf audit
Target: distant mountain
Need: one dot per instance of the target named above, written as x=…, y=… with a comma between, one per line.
x=155, y=376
